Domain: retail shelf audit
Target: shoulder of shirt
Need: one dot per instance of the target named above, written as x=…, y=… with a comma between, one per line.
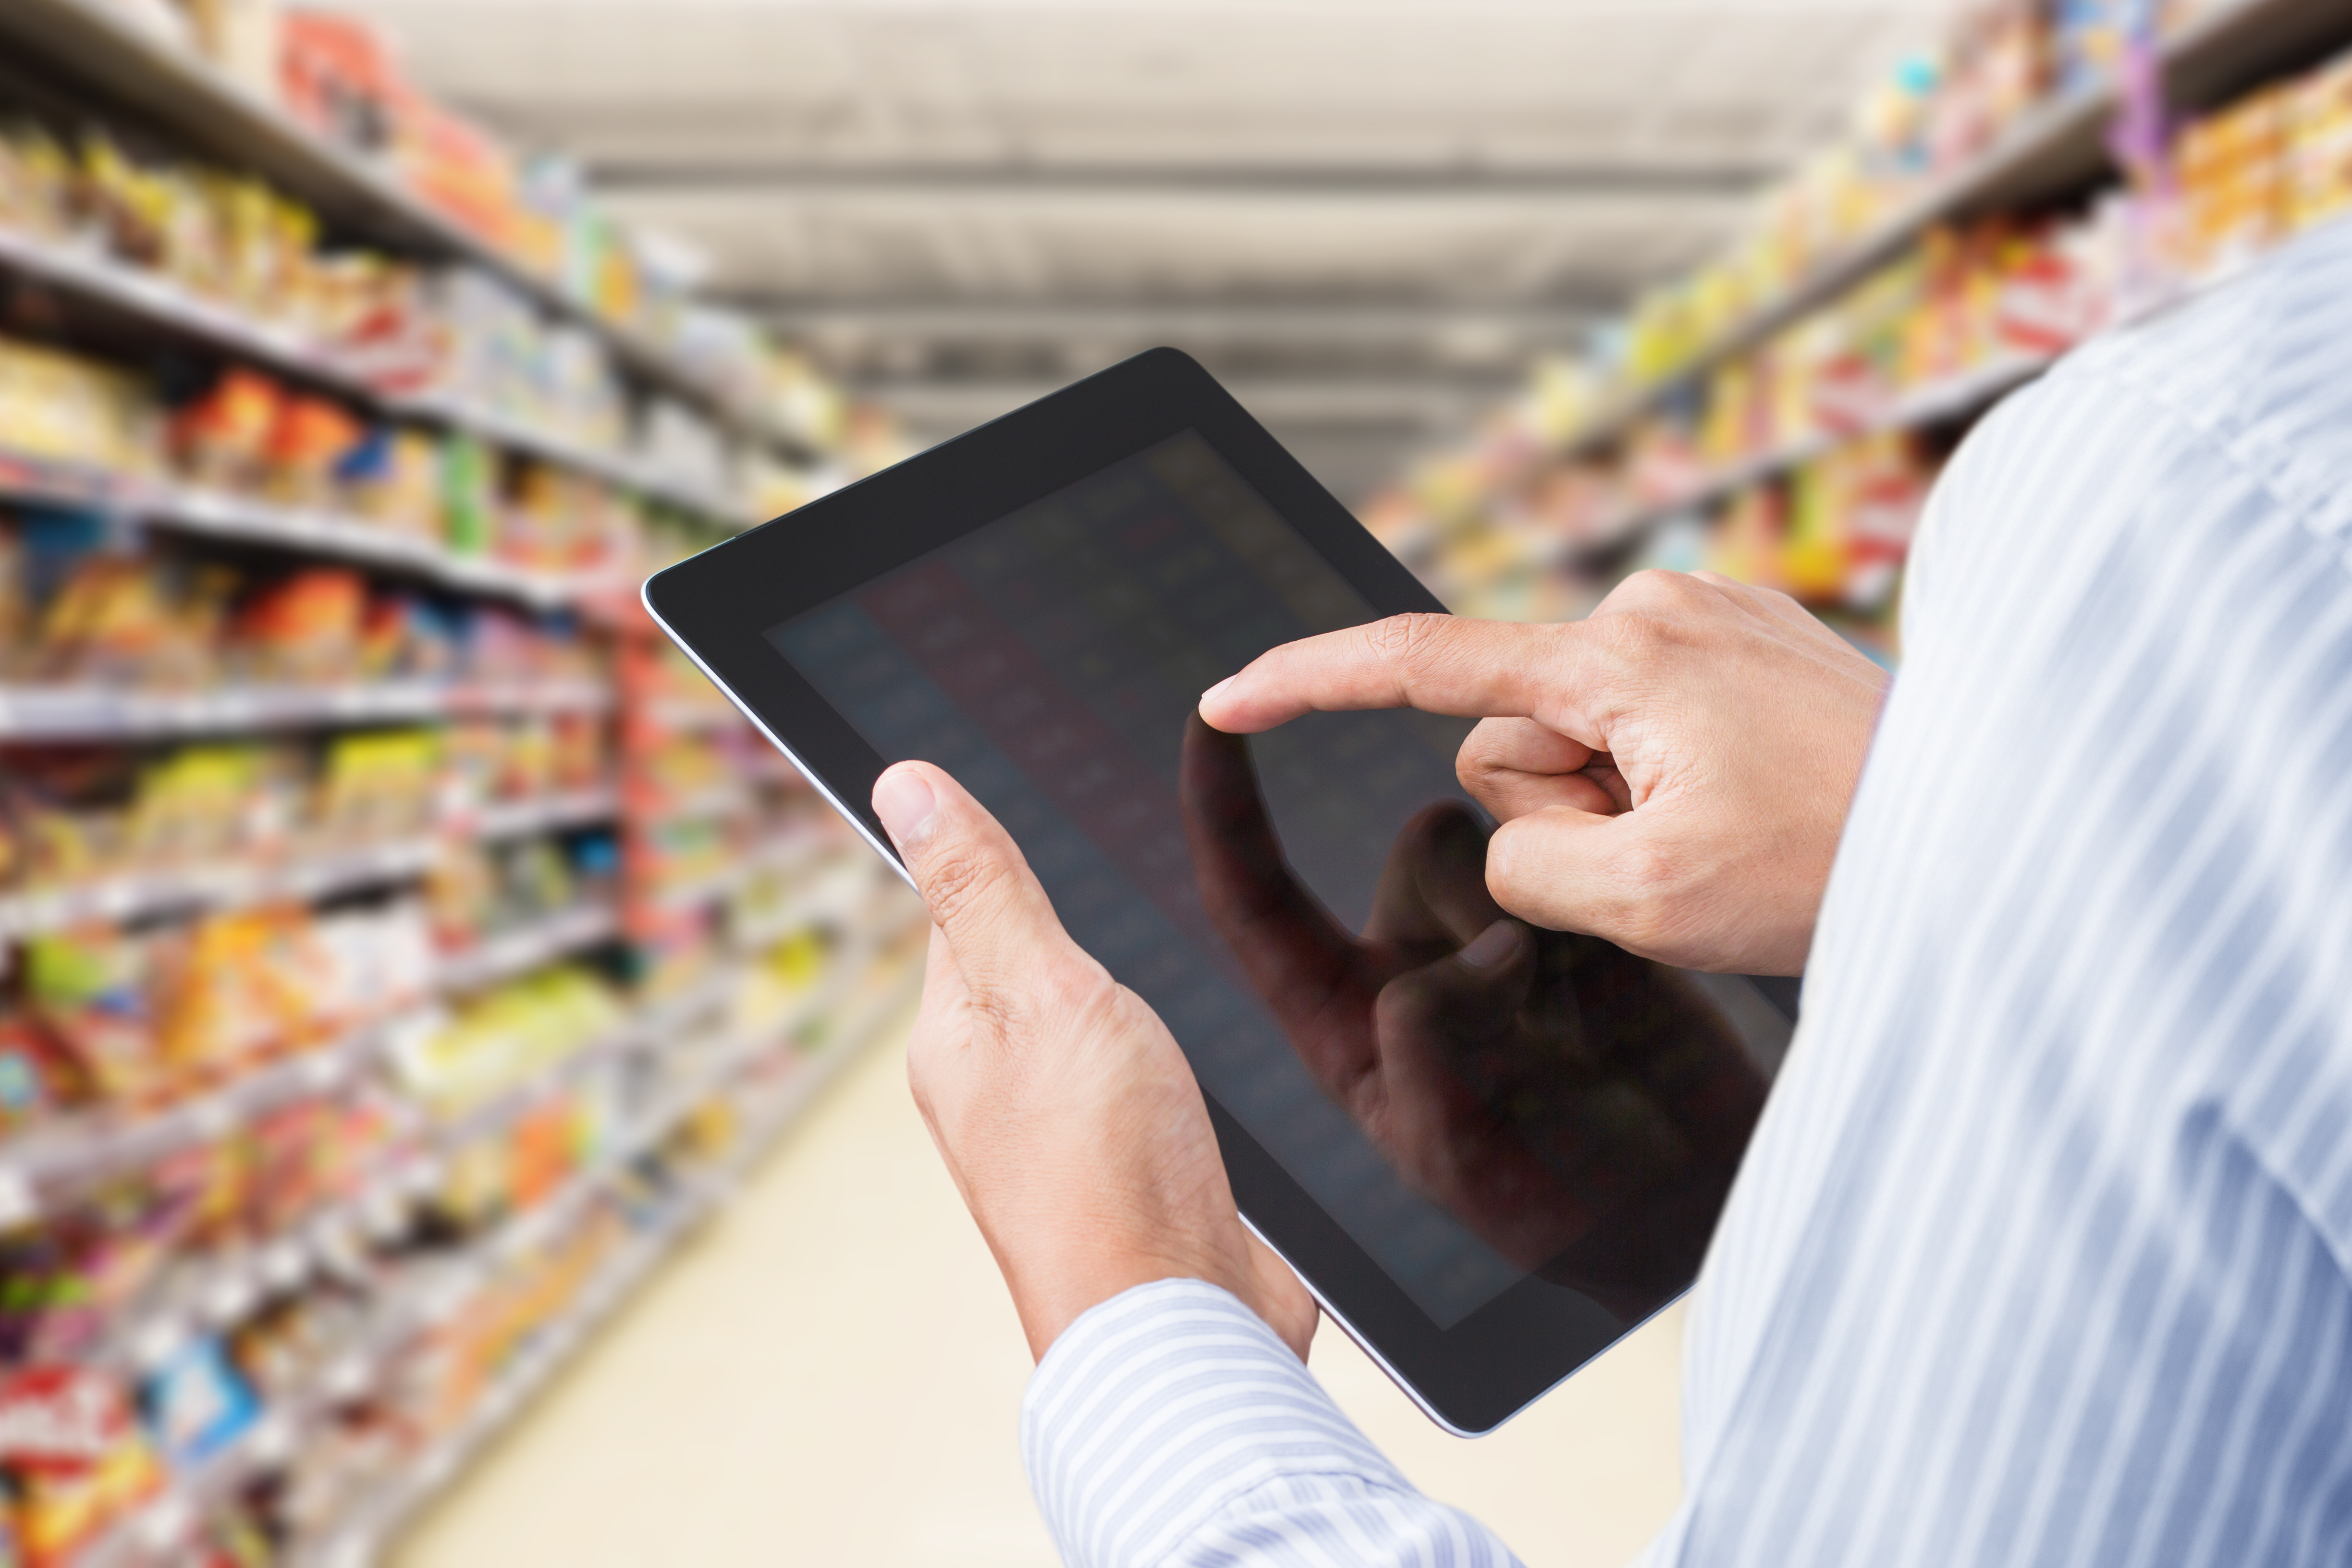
x=2239, y=387
x=2254, y=367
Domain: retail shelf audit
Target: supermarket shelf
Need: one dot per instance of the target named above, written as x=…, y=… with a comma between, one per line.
x=226, y=884
x=2052, y=152
x=546, y=814
x=237, y=519
x=226, y=1288
x=244, y=883
x=222, y=1290
x=161, y=302
x=174, y=85
x=216, y=514
x=693, y=713
x=783, y=854
x=1925, y=409
x=834, y=896
x=515, y=1389
x=46, y=1169
x=655, y=1025
x=518, y=952
x=729, y=798
x=441, y=1289
x=363, y=1543
x=565, y=452
x=89, y=711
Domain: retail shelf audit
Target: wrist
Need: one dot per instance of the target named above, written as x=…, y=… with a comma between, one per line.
x=1050, y=1296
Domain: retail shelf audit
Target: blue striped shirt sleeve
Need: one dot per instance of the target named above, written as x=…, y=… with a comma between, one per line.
x=1169, y=1427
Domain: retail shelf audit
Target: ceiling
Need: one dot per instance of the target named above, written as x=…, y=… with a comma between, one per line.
x=1364, y=216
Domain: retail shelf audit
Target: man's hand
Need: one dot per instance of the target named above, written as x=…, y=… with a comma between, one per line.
x=1581, y=1112
x=1067, y=1116
x=1672, y=774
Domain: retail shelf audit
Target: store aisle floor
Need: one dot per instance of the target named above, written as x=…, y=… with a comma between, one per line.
x=831, y=1375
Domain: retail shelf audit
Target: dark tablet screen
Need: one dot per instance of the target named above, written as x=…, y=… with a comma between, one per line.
x=1296, y=907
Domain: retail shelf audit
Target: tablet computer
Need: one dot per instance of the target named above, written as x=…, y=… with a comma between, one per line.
x=1486, y=1180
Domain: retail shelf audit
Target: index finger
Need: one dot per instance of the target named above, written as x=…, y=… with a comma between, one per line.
x=1439, y=664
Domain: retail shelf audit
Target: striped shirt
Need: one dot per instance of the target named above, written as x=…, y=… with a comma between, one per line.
x=2040, y=1253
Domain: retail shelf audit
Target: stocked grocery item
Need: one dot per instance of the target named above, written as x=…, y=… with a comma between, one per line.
x=66, y=1495
x=509, y=1033
x=314, y=1121
x=199, y=1403
x=2261, y=171
x=1838, y=535
x=74, y=816
x=137, y=1016
x=75, y=606
x=1812, y=450
x=477, y=891
x=71, y=408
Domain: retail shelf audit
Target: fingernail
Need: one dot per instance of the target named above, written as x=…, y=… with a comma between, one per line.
x=1220, y=685
x=1493, y=946
x=903, y=800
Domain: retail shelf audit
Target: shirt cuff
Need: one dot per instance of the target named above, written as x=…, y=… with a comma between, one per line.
x=1162, y=1408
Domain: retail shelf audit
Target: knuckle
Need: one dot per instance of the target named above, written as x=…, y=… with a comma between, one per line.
x=957, y=879
x=1407, y=640
x=1508, y=864
x=1661, y=585
x=1088, y=998
x=1645, y=878
x=1651, y=630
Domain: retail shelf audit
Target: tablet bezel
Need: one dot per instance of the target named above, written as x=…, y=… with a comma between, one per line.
x=718, y=606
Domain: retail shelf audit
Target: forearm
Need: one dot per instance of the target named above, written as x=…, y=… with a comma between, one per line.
x=1169, y=1428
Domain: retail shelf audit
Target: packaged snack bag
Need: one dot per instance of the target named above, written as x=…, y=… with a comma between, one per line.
x=192, y=806
x=90, y=989
x=267, y=240
x=130, y=618
x=406, y=636
x=60, y=1419
x=577, y=752
x=61, y=1511
x=374, y=962
x=469, y=504
x=35, y=1078
x=236, y=987
x=197, y=1404
x=37, y=178
x=222, y=437
x=393, y=476
x=308, y=443
x=379, y=785
x=306, y=626
x=66, y=406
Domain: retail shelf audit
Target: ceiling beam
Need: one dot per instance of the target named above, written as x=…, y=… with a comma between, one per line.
x=1256, y=320
x=937, y=407
x=1708, y=182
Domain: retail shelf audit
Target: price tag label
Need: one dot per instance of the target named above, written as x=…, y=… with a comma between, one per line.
x=19, y=1202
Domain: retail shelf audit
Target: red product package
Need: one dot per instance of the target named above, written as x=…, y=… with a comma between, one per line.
x=224, y=436
x=60, y=1419
x=309, y=438
x=306, y=626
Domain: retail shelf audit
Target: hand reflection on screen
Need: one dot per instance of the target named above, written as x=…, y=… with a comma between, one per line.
x=1579, y=1110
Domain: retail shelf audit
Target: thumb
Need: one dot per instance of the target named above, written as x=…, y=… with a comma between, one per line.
x=983, y=896
x=1609, y=877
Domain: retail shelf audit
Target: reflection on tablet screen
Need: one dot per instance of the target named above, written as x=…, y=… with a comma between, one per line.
x=1296, y=905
